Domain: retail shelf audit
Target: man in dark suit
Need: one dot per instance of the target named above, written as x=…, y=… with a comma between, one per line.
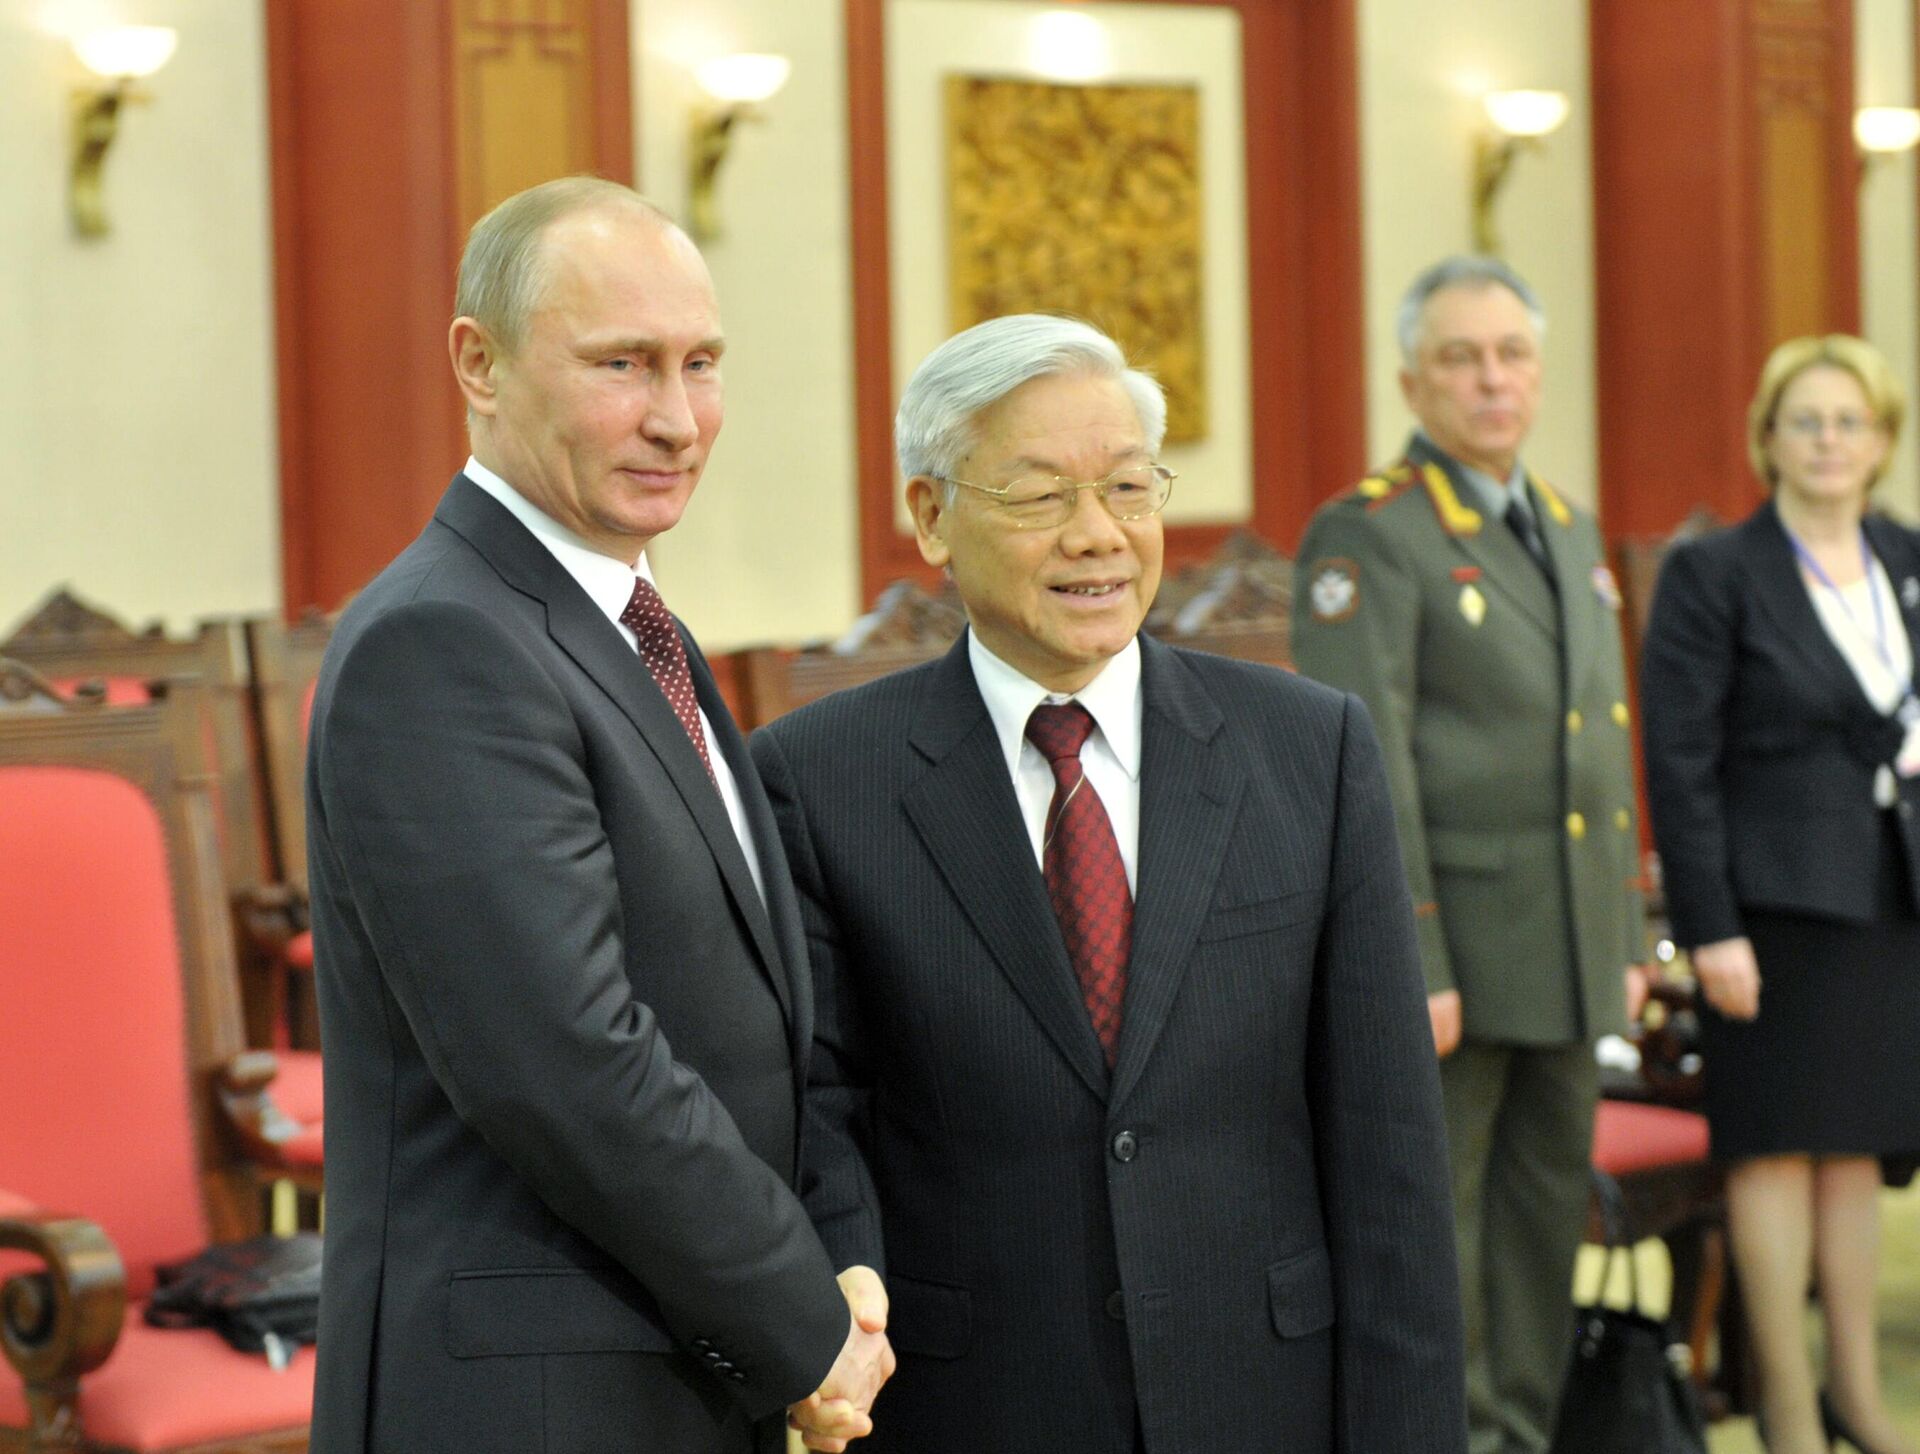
x=1472, y=609
x=1121, y=1069
x=561, y=967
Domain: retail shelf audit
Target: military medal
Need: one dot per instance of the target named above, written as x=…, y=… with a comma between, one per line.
x=1473, y=605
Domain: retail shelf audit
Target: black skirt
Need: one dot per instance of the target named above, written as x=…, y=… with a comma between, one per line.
x=1832, y=1063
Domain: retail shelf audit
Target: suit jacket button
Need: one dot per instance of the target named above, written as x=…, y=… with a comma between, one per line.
x=1117, y=1306
x=1126, y=1146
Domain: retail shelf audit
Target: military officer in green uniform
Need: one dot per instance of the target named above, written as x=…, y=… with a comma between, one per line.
x=1471, y=608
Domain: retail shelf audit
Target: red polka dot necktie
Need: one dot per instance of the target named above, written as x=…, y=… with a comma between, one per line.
x=1086, y=877
x=665, y=654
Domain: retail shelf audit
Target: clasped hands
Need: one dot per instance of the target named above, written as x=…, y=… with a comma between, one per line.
x=840, y=1410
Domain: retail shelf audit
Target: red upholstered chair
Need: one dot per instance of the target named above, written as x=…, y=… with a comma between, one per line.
x=1651, y=1140
x=134, y=1126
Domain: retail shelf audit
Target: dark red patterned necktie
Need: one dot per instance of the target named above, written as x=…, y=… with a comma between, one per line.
x=665, y=654
x=1086, y=877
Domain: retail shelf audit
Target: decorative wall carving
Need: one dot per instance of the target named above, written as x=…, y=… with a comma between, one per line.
x=1084, y=200
x=523, y=96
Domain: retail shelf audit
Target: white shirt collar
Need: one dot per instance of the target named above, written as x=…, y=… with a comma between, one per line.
x=1112, y=697
x=607, y=582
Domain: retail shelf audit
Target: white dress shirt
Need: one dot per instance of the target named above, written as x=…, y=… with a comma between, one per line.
x=1110, y=759
x=609, y=585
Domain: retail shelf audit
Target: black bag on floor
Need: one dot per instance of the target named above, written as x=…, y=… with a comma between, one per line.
x=1625, y=1393
x=261, y=1295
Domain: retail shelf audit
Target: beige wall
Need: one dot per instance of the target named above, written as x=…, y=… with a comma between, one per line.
x=769, y=549
x=1889, y=263
x=1423, y=67
x=137, y=455
x=136, y=391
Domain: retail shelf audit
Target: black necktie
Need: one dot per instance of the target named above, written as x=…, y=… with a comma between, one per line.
x=1521, y=522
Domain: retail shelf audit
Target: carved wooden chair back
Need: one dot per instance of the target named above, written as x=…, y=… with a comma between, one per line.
x=1239, y=603
x=906, y=627
x=286, y=665
x=79, y=647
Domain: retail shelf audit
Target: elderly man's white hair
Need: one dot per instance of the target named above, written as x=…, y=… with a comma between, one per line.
x=976, y=368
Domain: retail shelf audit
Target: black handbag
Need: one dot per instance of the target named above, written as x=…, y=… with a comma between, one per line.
x=1627, y=1392
x=261, y=1295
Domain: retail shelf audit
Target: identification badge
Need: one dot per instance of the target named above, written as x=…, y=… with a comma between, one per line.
x=1473, y=605
x=1606, y=588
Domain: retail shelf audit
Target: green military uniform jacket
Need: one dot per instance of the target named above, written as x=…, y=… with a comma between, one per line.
x=1501, y=707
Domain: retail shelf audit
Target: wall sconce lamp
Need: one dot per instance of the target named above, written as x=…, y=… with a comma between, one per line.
x=1520, y=119
x=120, y=56
x=737, y=84
x=1884, y=131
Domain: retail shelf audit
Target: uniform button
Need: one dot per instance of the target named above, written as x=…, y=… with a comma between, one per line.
x=1126, y=1146
x=1622, y=819
x=1117, y=1306
x=737, y=1376
x=1620, y=714
x=1575, y=721
x=724, y=1367
x=1576, y=826
x=701, y=1345
x=1906, y=810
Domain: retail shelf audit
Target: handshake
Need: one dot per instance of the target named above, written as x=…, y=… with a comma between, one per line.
x=840, y=1410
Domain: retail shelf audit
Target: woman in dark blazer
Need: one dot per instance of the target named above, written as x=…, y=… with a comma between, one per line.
x=1782, y=745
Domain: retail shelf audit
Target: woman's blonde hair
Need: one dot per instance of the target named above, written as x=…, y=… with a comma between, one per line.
x=1867, y=364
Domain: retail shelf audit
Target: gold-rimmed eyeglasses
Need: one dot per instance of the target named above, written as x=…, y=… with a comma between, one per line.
x=1041, y=502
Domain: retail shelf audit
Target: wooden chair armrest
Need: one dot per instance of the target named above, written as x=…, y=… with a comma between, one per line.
x=62, y=1321
x=246, y=1098
x=270, y=915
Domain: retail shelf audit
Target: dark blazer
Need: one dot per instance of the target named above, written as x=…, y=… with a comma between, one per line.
x=1761, y=746
x=1243, y=1231
x=565, y=1040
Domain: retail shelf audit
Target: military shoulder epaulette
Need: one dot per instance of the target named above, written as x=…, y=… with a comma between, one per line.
x=1556, y=506
x=1389, y=484
x=1455, y=518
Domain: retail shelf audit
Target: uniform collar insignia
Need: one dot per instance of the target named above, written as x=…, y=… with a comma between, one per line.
x=1455, y=518
x=1556, y=506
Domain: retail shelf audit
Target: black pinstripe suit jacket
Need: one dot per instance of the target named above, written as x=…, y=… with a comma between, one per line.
x=1241, y=1238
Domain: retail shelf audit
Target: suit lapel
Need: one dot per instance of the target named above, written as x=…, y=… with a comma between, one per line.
x=1775, y=576
x=776, y=926
x=1580, y=608
x=1190, y=789
x=1898, y=555
x=965, y=811
x=1504, y=563
x=578, y=629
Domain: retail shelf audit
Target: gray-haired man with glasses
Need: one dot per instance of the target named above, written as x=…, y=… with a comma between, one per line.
x=1121, y=1074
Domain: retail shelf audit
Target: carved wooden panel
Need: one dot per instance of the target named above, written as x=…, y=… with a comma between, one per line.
x=522, y=96
x=1084, y=200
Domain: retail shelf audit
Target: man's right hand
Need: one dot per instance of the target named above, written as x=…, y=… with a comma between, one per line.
x=839, y=1411
x=1443, y=1010
x=1729, y=976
